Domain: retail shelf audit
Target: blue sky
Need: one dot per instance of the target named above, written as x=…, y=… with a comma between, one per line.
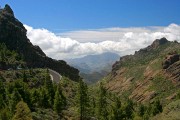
x=76, y=28
x=69, y=15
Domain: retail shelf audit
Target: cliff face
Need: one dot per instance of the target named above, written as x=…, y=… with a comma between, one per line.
x=152, y=72
x=13, y=34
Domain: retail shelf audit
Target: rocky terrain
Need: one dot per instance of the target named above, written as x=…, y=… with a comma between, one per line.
x=152, y=72
x=142, y=86
x=13, y=35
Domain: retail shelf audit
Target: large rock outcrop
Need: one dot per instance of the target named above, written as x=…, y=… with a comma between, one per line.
x=170, y=59
x=13, y=34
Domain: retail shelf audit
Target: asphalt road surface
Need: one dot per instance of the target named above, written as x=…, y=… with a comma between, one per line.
x=55, y=76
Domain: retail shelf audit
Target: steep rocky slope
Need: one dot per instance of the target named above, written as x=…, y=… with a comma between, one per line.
x=13, y=34
x=152, y=72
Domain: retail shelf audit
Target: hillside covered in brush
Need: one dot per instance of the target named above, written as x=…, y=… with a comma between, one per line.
x=13, y=35
x=143, y=86
x=40, y=98
x=152, y=72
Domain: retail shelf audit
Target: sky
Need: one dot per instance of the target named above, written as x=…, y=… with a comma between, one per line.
x=75, y=28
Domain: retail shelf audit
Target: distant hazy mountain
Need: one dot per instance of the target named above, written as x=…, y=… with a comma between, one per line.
x=94, y=67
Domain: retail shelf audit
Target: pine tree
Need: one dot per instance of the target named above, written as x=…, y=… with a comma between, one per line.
x=156, y=108
x=148, y=112
x=83, y=100
x=129, y=109
x=117, y=111
x=24, y=77
x=141, y=110
x=93, y=107
x=63, y=98
x=2, y=55
x=146, y=116
x=102, y=103
x=5, y=114
x=49, y=88
x=44, y=98
x=58, y=104
x=31, y=71
x=2, y=94
x=22, y=112
x=15, y=98
x=23, y=90
x=2, y=89
x=35, y=98
x=2, y=102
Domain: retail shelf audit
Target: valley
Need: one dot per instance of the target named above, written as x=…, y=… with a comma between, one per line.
x=94, y=67
x=140, y=86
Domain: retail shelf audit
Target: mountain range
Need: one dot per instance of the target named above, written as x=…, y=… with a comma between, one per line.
x=142, y=86
x=94, y=67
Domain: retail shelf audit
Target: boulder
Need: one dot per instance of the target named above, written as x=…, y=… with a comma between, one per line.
x=169, y=60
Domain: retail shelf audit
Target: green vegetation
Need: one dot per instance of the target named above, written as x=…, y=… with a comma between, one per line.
x=13, y=35
x=166, y=89
x=83, y=101
x=9, y=59
x=22, y=112
x=59, y=100
x=34, y=87
x=142, y=78
x=102, y=103
x=170, y=112
x=144, y=57
x=146, y=91
x=31, y=94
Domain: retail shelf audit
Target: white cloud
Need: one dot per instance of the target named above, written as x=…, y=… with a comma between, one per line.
x=80, y=43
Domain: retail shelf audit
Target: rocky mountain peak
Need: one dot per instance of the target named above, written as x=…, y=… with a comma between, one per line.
x=7, y=10
x=159, y=42
x=154, y=45
x=13, y=35
x=142, y=53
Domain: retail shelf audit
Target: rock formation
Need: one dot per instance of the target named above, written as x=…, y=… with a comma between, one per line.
x=13, y=34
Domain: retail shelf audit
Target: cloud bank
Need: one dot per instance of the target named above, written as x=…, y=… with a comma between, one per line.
x=123, y=41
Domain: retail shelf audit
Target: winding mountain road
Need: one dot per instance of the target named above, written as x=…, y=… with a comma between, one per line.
x=55, y=76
